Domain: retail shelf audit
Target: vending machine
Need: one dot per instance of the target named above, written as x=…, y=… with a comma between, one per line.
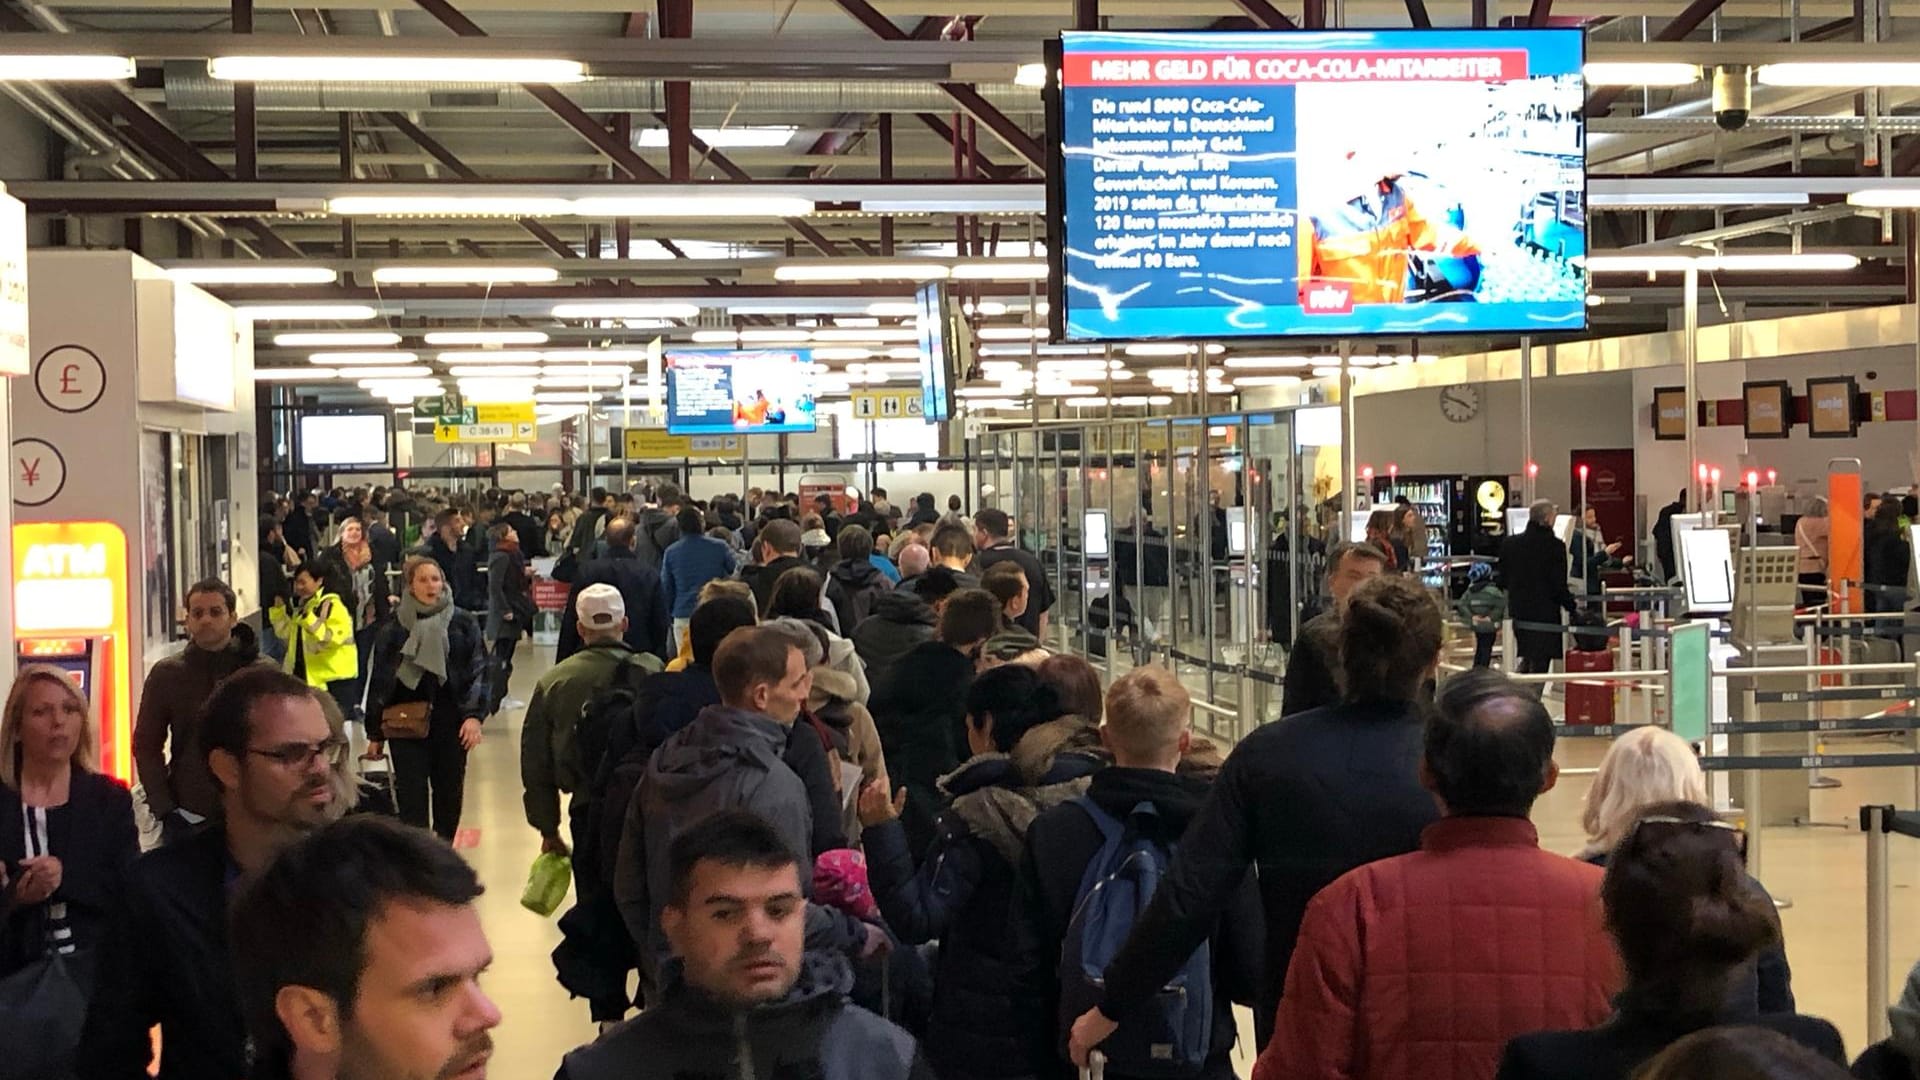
x=1465, y=515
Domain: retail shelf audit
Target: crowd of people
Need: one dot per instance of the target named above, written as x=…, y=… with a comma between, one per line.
x=839, y=809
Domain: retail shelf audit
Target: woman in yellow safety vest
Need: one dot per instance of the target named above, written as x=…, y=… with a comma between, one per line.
x=318, y=627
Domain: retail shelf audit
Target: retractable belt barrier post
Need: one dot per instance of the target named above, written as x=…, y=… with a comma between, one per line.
x=1878, y=822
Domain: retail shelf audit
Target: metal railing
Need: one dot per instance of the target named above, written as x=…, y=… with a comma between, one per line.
x=1880, y=822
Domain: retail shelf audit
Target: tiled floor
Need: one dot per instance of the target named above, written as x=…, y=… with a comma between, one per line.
x=1820, y=868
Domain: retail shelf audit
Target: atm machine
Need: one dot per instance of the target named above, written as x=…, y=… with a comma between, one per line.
x=72, y=611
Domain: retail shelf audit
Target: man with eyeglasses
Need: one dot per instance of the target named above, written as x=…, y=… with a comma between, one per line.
x=165, y=962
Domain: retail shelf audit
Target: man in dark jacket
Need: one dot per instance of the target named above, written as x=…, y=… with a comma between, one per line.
x=1148, y=717
x=776, y=551
x=923, y=511
x=1533, y=567
x=733, y=756
x=456, y=560
x=165, y=962
x=854, y=584
x=688, y=565
x=1304, y=800
x=1663, y=537
x=656, y=527
x=1311, y=682
x=899, y=621
x=532, y=533
x=180, y=791
x=393, y=902
x=649, y=628
x=920, y=711
x=992, y=535
x=743, y=995
x=302, y=525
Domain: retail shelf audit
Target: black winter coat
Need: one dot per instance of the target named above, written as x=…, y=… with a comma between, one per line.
x=94, y=838
x=1533, y=567
x=990, y=1016
x=460, y=567
x=165, y=962
x=1886, y=564
x=898, y=623
x=649, y=625
x=1060, y=844
x=761, y=578
x=855, y=588
x=1616, y=1048
x=1303, y=800
x=919, y=712
x=1885, y=1061
x=1311, y=682
x=464, y=694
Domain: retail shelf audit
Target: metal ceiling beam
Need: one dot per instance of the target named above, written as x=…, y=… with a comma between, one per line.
x=246, y=164
x=986, y=165
x=1267, y=15
x=1539, y=13
x=556, y=102
x=1417, y=14
x=461, y=169
x=1685, y=23
x=1016, y=137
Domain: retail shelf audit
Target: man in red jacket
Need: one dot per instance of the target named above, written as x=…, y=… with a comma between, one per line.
x=1424, y=965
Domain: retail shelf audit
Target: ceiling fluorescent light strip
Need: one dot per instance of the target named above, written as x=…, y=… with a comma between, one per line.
x=1601, y=73
x=467, y=274
x=417, y=69
x=486, y=337
x=856, y=270
x=252, y=274
x=623, y=310
x=336, y=339
x=72, y=68
x=1838, y=75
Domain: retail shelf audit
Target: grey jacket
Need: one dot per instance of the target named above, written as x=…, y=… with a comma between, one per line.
x=726, y=759
x=814, y=1033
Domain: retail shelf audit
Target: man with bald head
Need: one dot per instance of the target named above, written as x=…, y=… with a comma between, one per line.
x=649, y=623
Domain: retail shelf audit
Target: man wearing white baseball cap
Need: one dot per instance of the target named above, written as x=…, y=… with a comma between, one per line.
x=563, y=740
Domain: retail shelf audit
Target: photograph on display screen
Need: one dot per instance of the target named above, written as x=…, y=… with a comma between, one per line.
x=1365, y=182
x=767, y=392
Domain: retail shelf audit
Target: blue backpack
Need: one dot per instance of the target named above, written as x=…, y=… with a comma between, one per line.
x=1171, y=1036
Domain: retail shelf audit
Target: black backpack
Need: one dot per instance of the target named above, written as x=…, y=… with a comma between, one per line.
x=612, y=707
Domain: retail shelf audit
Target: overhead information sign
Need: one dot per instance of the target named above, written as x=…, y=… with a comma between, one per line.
x=888, y=405
x=654, y=443
x=500, y=422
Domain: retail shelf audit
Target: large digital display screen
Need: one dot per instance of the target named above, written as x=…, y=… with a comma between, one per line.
x=763, y=392
x=1402, y=182
x=331, y=441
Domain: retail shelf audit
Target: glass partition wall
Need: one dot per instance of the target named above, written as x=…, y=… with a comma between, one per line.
x=1187, y=542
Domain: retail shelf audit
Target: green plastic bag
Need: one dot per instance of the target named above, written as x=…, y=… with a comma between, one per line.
x=547, y=884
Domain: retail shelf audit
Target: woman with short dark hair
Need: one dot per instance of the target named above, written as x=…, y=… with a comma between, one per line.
x=1688, y=922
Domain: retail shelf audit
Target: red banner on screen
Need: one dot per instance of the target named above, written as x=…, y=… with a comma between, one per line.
x=1275, y=69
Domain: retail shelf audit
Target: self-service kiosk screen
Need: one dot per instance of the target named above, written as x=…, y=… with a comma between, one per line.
x=1706, y=569
x=1236, y=530
x=1094, y=542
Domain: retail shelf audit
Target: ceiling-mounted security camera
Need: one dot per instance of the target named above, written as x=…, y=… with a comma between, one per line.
x=1732, y=95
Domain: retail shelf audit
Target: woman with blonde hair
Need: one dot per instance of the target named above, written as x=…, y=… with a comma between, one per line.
x=66, y=831
x=1649, y=766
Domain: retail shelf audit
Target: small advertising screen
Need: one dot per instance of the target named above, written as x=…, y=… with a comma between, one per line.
x=767, y=392
x=1832, y=411
x=1217, y=185
x=1769, y=409
x=1095, y=542
x=350, y=439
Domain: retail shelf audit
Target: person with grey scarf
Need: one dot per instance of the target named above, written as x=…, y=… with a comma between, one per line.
x=431, y=652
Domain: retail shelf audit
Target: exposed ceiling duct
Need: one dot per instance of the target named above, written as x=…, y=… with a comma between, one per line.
x=188, y=87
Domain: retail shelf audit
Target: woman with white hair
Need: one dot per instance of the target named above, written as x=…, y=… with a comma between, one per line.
x=1646, y=767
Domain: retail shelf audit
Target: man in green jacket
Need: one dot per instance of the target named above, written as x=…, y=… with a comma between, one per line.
x=552, y=758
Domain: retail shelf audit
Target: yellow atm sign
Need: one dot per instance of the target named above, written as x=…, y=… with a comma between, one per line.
x=501, y=422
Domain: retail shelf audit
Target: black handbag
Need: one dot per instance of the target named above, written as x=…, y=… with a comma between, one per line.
x=42, y=1009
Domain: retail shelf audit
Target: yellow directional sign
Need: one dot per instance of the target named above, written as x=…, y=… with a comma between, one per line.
x=887, y=405
x=501, y=422
x=654, y=443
